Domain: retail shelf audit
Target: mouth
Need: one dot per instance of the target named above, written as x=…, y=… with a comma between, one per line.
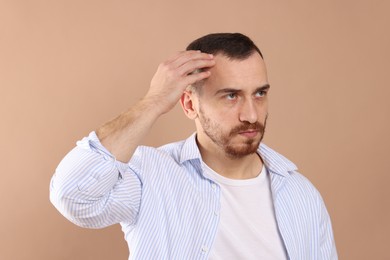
x=250, y=133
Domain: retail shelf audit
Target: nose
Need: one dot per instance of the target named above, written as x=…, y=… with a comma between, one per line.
x=248, y=111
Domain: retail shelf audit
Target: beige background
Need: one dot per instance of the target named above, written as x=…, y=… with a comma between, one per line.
x=67, y=66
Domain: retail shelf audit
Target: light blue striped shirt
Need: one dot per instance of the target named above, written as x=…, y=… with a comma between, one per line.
x=166, y=206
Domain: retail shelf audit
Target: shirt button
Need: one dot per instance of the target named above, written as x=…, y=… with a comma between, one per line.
x=204, y=249
x=213, y=186
x=216, y=213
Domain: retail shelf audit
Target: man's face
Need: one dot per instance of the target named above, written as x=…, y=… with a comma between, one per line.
x=232, y=106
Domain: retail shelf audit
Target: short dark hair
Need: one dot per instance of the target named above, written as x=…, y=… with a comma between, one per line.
x=233, y=45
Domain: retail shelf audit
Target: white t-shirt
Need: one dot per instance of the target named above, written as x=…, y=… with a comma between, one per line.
x=247, y=227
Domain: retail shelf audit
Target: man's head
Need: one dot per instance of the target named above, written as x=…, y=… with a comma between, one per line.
x=234, y=46
x=230, y=107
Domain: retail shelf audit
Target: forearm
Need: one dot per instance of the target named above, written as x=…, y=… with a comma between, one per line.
x=122, y=135
x=89, y=186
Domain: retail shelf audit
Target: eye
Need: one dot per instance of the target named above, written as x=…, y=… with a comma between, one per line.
x=261, y=93
x=231, y=96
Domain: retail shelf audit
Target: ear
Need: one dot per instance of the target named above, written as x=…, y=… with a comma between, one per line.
x=188, y=103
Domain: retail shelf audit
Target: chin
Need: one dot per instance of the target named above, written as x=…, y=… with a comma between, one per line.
x=238, y=152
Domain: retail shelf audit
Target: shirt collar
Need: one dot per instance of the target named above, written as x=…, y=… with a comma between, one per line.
x=190, y=150
x=274, y=162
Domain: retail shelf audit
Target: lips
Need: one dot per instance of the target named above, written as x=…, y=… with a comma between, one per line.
x=249, y=133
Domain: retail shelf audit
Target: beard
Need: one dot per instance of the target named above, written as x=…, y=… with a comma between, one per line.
x=226, y=140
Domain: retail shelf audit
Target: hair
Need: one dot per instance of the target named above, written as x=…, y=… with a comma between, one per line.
x=235, y=46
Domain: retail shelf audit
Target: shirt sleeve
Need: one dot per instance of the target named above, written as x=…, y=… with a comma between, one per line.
x=327, y=242
x=91, y=189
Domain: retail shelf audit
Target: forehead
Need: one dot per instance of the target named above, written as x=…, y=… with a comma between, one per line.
x=247, y=74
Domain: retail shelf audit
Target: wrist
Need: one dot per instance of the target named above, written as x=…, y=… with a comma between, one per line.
x=155, y=105
x=151, y=106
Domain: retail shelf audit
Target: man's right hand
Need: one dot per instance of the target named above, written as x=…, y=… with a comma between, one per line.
x=122, y=135
x=174, y=75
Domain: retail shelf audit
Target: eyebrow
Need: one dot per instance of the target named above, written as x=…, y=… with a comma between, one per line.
x=233, y=90
x=265, y=87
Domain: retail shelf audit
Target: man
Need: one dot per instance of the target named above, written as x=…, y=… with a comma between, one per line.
x=220, y=194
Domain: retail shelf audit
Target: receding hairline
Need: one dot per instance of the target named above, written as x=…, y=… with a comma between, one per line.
x=197, y=87
x=235, y=46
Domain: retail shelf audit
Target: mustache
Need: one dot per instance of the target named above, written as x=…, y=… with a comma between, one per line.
x=245, y=126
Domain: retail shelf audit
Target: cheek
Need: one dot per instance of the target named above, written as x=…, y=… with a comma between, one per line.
x=263, y=113
x=215, y=112
x=263, y=108
x=227, y=118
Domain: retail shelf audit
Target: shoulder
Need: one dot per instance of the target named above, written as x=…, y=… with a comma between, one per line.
x=171, y=150
x=178, y=152
x=275, y=162
x=167, y=153
x=285, y=172
x=302, y=186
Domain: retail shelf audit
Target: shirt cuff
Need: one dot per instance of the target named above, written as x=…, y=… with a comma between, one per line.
x=92, y=143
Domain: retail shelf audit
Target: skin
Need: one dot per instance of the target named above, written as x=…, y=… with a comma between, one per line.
x=230, y=112
x=122, y=135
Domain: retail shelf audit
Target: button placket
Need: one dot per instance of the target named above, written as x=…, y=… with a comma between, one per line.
x=214, y=187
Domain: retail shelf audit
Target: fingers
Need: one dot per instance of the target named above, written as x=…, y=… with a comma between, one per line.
x=193, y=78
x=185, y=63
x=191, y=56
x=179, y=58
x=194, y=65
x=177, y=55
x=176, y=74
x=184, y=57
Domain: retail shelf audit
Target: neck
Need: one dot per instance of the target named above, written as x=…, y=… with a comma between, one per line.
x=245, y=167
